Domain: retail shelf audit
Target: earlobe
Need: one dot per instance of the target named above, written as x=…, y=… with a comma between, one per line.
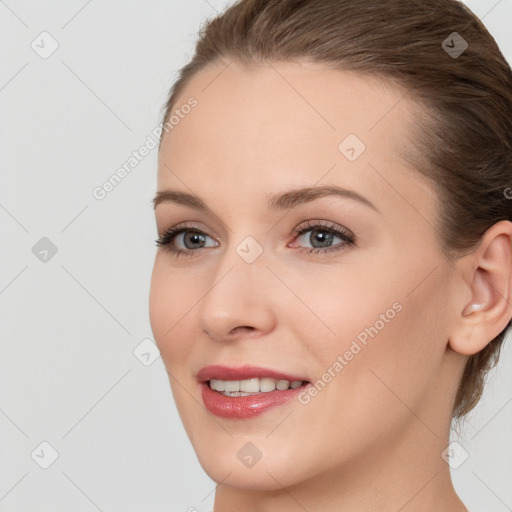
x=488, y=274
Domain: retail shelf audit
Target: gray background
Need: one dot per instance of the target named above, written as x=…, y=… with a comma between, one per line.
x=69, y=325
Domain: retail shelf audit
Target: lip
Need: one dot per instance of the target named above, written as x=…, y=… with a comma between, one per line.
x=221, y=372
x=242, y=407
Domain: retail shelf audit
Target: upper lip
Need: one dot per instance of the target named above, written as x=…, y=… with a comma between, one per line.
x=220, y=372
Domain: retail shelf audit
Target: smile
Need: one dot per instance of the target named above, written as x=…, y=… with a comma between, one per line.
x=245, y=392
x=252, y=386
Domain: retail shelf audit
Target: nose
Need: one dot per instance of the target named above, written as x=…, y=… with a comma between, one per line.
x=238, y=300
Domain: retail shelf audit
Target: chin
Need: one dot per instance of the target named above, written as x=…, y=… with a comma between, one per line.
x=237, y=465
x=263, y=476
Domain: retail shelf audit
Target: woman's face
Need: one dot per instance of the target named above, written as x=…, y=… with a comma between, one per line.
x=348, y=291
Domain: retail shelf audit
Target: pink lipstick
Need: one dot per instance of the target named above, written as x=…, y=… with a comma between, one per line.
x=277, y=388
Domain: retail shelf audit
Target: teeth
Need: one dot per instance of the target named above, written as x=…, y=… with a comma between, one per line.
x=250, y=385
x=267, y=384
x=217, y=385
x=232, y=385
x=255, y=385
x=282, y=384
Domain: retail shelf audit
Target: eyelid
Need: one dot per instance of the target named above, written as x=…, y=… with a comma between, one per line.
x=187, y=225
x=311, y=224
x=319, y=223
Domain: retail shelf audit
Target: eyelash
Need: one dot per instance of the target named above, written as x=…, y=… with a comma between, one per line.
x=168, y=236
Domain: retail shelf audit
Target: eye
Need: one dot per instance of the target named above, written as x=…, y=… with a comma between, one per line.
x=184, y=240
x=322, y=237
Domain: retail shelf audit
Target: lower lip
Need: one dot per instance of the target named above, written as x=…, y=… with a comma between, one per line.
x=240, y=407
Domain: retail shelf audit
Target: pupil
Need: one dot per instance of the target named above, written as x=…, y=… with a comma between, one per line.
x=323, y=237
x=194, y=238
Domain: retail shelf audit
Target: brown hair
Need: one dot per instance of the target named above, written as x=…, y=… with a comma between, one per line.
x=463, y=137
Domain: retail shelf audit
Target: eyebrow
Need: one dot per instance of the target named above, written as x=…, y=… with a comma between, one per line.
x=276, y=202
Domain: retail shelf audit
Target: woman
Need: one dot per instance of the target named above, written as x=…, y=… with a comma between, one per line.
x=334, y=270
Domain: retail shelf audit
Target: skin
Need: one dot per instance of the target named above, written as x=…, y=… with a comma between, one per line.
x=372, y=439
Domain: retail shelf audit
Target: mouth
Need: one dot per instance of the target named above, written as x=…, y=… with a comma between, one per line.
x=244, y=392
x=254, y=386
x=248, y=379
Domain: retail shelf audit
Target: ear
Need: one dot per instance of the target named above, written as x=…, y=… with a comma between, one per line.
x=487, y=273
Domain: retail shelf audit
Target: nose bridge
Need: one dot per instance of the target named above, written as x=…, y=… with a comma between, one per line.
x=237, y=293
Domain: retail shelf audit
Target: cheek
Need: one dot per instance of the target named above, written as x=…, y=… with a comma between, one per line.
x=389, y=324
x=392, y=345
x=338, y=309
x=171, y=300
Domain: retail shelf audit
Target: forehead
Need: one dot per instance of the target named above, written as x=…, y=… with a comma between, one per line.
x=276, y=122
